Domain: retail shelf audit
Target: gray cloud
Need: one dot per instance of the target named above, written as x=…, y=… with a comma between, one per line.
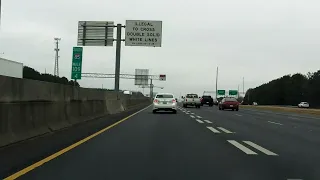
x=259, y=40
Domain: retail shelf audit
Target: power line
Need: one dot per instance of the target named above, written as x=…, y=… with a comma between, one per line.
x=56, y=59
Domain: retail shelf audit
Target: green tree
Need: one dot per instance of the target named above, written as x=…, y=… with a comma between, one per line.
x=287, y=90
x=30, y=73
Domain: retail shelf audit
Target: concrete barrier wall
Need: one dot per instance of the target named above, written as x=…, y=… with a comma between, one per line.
x=30, y=108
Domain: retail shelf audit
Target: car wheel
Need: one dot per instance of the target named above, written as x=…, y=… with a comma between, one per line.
x=154, y=111
x=174, y=112
x=237, y=109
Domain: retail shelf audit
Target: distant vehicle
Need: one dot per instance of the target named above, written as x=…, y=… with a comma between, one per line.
x=215, y=102
x=303, y=105
x=191, y=100
x=164, y=102
x=229, y=103
x=208, y=100
x=255, y=103
x=127, y=92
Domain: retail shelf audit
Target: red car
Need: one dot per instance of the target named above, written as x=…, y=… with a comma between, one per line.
x=229, y=103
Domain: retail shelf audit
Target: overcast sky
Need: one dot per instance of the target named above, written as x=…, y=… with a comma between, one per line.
x=256, y=39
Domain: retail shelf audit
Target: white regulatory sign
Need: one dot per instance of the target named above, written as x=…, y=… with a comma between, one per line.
x=143, y=33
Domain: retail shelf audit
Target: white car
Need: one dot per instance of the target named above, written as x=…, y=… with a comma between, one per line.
x=303, y=105
x=165, y=102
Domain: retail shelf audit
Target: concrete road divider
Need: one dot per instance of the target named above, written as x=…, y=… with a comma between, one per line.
x=30, y=108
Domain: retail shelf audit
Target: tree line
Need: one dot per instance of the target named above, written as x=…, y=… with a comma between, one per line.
x=287, y=90
x=30, y=73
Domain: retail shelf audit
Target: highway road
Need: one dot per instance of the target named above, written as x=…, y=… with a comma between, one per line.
x=193, y=144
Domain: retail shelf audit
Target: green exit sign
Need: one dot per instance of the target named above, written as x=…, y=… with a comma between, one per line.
x=76, y=63
x=233, y=92
x=221, y=92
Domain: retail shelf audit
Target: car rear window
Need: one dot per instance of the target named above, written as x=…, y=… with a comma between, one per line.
x=206, y=96
x=164, y=96
x=231, y=99
x=191, y=96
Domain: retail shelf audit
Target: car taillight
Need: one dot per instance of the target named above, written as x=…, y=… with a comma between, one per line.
x=201, y=99
x=156, y=101
x=186, y=100
x=173, y=101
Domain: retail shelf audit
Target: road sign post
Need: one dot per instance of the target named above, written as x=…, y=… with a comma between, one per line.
x=233, y=92
x=162, y=77
x=143, y=33
x=76, y=63
x=221, y=92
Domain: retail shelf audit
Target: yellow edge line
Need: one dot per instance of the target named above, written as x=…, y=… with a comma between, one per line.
x=55, y=155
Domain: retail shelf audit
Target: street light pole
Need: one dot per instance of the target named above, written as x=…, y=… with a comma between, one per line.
x=217, y=84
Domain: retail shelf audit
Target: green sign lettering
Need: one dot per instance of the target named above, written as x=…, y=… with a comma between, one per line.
x=76, y=63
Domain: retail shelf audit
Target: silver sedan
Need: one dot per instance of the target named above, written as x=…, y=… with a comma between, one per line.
x=164, y=102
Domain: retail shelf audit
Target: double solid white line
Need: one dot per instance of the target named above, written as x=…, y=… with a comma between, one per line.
x=220, y=128
x=249, y=151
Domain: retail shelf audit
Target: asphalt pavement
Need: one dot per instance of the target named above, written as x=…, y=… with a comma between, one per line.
x=193, y=144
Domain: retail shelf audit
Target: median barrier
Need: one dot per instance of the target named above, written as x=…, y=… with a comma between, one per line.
x=26, y=112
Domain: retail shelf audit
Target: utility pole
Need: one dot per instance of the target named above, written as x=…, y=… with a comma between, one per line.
x=238, y=91
x=243, y=87
x=151, y=89
x=56, y=60
x=217, y=83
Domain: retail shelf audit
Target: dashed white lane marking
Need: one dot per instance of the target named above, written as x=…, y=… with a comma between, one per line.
x=238, y=114
x=207, y=121
x=199, y=121
x=213, y=130
x=242, y=147
x=224, y=130
x=275, y=123
x=293, y=118
x=266, y=151
x=191, y=116
x=187, y=113
x=199, y=117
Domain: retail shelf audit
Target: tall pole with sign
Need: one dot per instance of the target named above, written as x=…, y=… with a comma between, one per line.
x=118, y=53
x=76, y=63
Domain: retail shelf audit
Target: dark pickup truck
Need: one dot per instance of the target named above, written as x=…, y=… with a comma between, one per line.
x=207, y=100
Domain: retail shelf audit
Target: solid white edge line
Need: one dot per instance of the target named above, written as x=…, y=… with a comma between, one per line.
x=224, y=130
x=207, y=121
x=275, y=123
x=199, y=121
x=213, y=129
x=266, y=151
x=242, y=147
